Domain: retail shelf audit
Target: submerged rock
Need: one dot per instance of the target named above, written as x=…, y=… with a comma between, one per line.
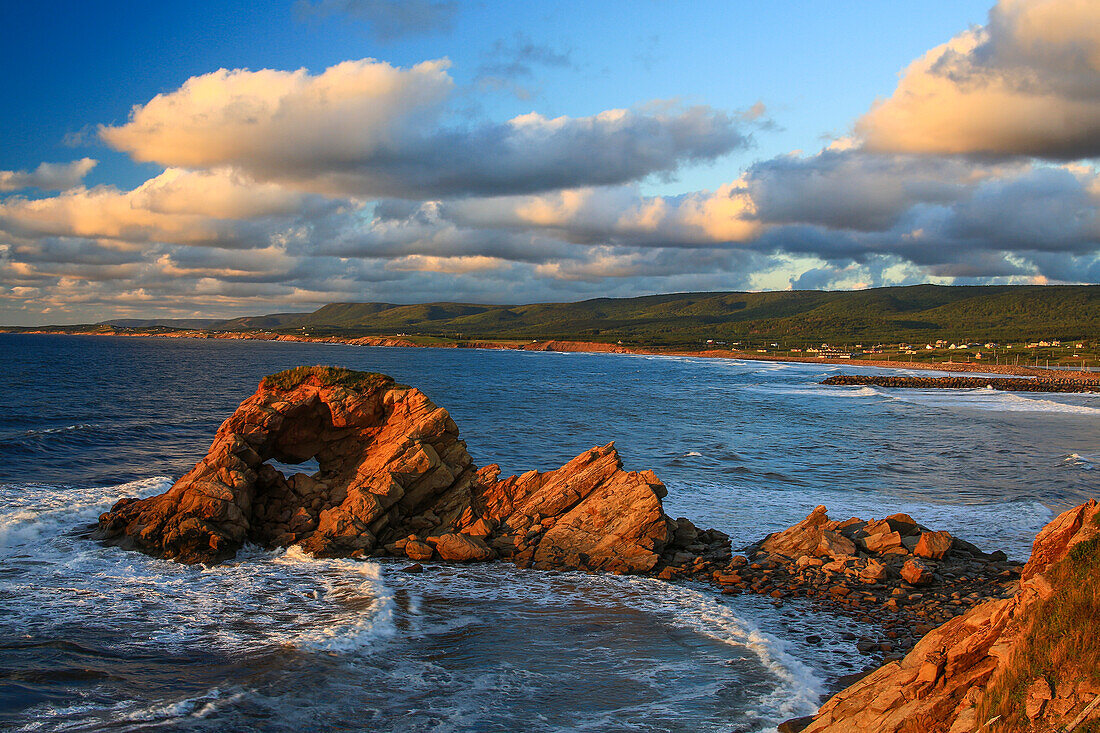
x=394, y=478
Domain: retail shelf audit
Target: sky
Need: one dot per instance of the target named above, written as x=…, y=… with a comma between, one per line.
x=214, y=159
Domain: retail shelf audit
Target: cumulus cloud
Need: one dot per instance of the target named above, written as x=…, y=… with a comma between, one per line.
x=1027, y=83
x=366, y=128
x=210, y=208
x=48, y=176
x=286, y=190
x=389, y=20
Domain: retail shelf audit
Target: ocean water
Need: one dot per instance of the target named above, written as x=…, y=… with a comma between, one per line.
x=94, y=638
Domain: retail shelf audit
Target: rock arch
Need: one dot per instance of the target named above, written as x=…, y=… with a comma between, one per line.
x=384, y=451
x=393, y=478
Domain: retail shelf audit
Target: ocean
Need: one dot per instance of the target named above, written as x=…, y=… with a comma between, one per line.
x=96, y=638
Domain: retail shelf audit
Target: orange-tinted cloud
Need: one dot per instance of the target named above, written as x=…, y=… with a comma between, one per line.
x=1027, y=83
x=368, y=129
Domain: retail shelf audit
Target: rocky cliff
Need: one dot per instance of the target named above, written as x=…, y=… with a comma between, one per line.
x=1030, y=662
x=394, y=478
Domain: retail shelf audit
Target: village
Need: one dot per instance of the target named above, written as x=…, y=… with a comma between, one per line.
x=1042, y=353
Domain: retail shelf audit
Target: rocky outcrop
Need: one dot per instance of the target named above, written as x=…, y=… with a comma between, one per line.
x=394, y=478
x=901, y=576
x=1028, y=662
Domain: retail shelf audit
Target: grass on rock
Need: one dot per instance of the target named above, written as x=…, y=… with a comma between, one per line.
x=326, y=376
x=1060, y=640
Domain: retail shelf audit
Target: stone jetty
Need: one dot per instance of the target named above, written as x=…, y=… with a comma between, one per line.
x=1010, y=384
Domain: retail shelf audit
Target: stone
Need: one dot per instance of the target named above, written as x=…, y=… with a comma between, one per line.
x=457, y=547
x=417, y=550
x=1038, y=693
x=874, y=572
x=834, y=544
x=794, y=725
x=801, y=539
x=933, y=545
x=903, y=524
x=881, y=542
x=915, y=572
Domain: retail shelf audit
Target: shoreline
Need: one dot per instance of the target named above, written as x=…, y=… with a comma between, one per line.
x=564, y=346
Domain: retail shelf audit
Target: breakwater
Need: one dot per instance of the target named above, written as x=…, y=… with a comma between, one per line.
x=1054, y=384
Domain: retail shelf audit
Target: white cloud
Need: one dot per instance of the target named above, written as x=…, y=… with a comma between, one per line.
x=48, y=176
x=365, y=128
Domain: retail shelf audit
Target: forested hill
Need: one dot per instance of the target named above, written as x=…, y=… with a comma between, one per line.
x=916, y=313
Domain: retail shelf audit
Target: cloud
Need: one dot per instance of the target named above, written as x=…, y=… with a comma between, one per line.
x=368, y=129
x=1025, y=84
x=519, y=55
x=390, y=20
x=220, y=208
x=509, y=60
x=48, y=176
x=855, y=190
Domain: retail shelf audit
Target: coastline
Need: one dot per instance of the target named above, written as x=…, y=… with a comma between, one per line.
x=565, y=346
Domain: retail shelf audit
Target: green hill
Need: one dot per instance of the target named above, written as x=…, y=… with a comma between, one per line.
x=916, y=313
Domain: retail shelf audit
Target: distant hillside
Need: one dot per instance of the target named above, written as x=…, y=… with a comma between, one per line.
x=162, y=322
x=916, y=313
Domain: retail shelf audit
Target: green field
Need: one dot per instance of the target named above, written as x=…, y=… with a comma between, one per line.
x=789, y=319
x=796, y=318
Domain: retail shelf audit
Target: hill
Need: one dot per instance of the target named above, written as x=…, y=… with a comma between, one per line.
x=802, y=317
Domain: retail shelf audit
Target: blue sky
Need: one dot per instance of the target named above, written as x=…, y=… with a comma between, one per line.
x=763, y=146
x=815, y=65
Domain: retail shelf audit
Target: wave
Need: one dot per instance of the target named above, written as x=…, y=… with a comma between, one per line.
x=1076, y=460
x=994, y=400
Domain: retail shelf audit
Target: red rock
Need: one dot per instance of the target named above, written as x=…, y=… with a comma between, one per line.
x=417, y=550
x=933, y=545
x=801, y=539
x=392, y=465
x=601, y=517
x=834, y=544
x=462, y=548
x=1055, y=540
x=1038, y=692
x=916, y=572
x=874, y=572
x=881, y=542
x=939, y=684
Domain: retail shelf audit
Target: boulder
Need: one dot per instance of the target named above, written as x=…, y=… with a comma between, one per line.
x=1038, y=694
x=457, y=547
x=882, y=542
x=417, y=550
x=874, y=572
x=915, y=572
x=801, y=539
x=834, y=544
x=933, y=545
